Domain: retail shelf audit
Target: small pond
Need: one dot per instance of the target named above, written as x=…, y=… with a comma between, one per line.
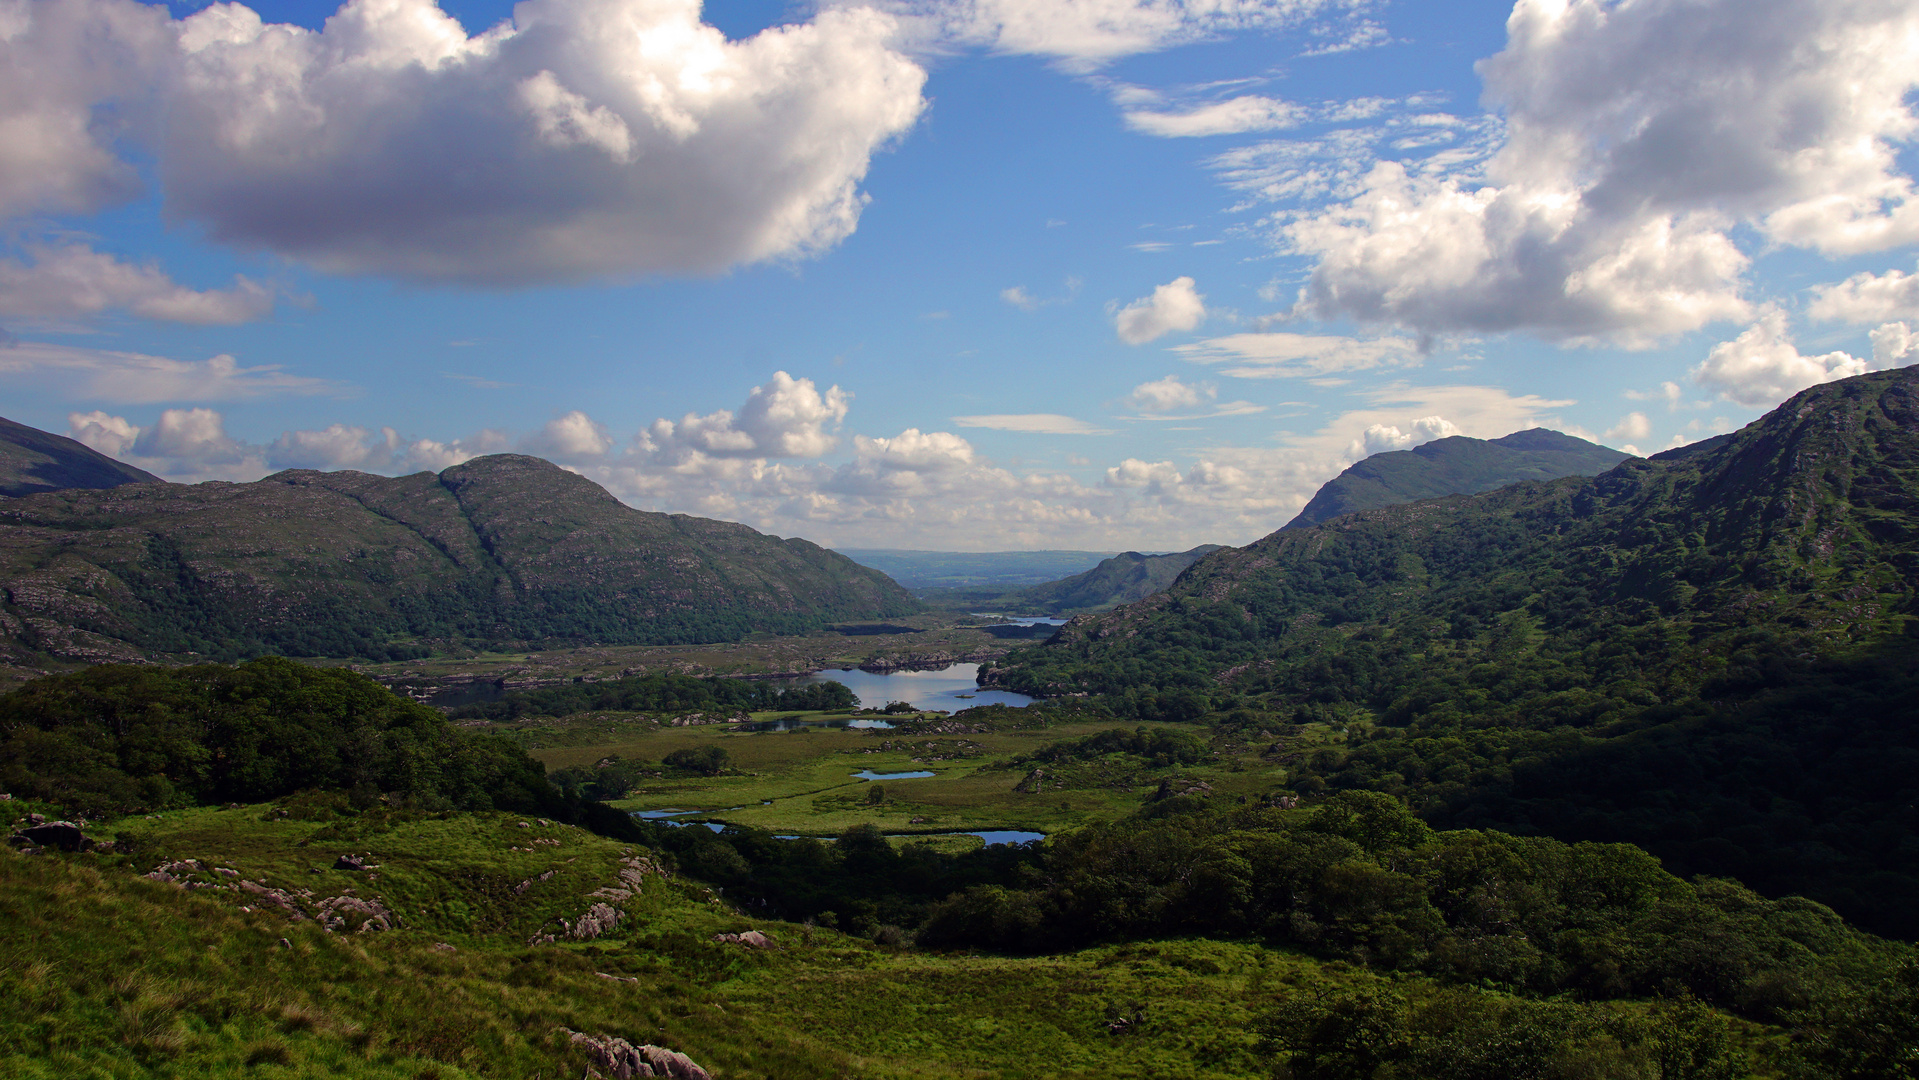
x=868, y=774
x=794, y=725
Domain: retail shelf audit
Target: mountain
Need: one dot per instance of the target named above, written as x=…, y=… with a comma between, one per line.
x=1122, y=579
x=32, y=460
x=1455, y=466
x=973, y=569
x=501, y=549
x=1713, y=653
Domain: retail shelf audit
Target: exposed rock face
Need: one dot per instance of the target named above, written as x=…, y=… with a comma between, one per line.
x=621, y=1060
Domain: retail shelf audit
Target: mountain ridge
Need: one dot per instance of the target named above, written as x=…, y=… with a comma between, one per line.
x=1456, y=465
x=504, y=548
x=33, y=461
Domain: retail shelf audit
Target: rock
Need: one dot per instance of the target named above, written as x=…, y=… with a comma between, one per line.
x=349, y=862
x=64, y=835
x=599, y=919
x=285, y=944
x=621, y=1060
x=441, y=946
x=752, y=939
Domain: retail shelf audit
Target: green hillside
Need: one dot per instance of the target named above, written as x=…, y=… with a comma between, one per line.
x=1122, y=579
x=1711, y=652
x=32, y=460
x=1455, y=466
x=502, y=549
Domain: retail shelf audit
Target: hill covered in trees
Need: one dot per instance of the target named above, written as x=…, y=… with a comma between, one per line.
x=1455, y=466
x=1121, y=579
x=501, y=549
x=33, y=460
x=1710, y=652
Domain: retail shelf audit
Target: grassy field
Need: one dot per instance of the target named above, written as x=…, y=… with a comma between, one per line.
x=104, y=973
x=802, y=782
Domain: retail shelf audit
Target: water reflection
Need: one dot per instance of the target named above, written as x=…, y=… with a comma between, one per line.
x=949, y=689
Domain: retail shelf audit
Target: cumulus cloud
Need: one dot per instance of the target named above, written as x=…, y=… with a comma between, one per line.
x=1638, y=136
x=1035, y=423
x=1173, y=306
x=1762, y=367
x=1894, y=345
x=136, y=378
x=183, y=445
x=1287, y=355
x=74, y=280
x=1865, y=298
x=1381, y=438
x=337, y=446
x=1233, y=116
x=59, y=64
x=586, y=139
x=785, y=418
x=1633, y=425
x=570, y=437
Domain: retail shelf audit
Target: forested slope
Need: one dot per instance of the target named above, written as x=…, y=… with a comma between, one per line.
x=500, y=549
x=1709, y=652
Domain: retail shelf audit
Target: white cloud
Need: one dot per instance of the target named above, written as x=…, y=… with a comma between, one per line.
x=1173, y=306
x=1233, y=116
x=1669, y=392
x=111, y=435
x=1638, y=137
x=58, y=63
x=75, y=280
x=1894, y=345
x=1633, y=425
x=1169, y=395
x=932, y=451
x=1154, y=476
x=431, y=455
x=1085, y=34
x=786, y=418
x=135, y=378
x=1382, y=438
x=1036, y=423
x=1020, y=298
x=1286, y=355
x=1864, y=298
x=570, y=437
x=586, y=139
x=1761, y=367
x=182, y=445
x=338, y=446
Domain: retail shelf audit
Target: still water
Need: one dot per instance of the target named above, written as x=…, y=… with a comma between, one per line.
x=950, y=689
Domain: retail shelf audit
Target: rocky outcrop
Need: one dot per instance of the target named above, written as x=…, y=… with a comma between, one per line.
x=611, y=1057
x=752, y=939
x=64, y=835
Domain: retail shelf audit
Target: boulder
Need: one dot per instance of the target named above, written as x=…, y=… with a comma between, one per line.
x=622, y=1060
x=64, y=835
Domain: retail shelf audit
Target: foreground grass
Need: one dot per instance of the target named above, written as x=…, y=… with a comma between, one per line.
x=104, y=973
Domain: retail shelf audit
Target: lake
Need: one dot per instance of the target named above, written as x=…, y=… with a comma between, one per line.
x=949, y=689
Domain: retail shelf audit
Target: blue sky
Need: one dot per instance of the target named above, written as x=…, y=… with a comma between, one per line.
x=950, y=274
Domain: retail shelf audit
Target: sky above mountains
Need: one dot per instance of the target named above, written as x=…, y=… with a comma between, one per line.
x=949, y=274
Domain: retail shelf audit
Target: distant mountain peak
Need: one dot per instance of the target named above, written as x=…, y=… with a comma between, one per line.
x=1456, y=465
x=32, y=460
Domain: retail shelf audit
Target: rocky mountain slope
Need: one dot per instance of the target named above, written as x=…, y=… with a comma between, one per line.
x=32, y=460
x=1455, y=466
x=501, y=549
